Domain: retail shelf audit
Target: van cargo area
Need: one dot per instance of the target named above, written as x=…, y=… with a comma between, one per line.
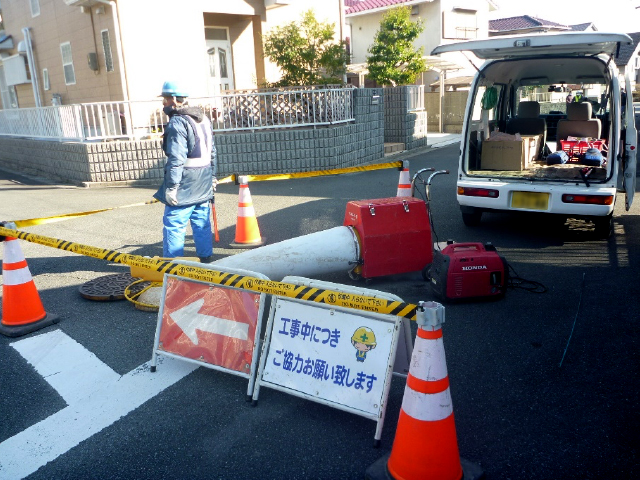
x=517, y=140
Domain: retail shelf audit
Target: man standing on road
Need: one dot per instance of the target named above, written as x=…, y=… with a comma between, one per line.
x=189, y=175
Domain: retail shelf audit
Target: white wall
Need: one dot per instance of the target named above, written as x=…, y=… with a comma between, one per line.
x=164, y=39
x=324, y=11
x=364, y=28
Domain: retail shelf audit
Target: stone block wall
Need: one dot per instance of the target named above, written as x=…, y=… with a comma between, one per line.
x=254, y=152
x=400, y=126
x=307, y=149
x=54, y=160
x=454, y=109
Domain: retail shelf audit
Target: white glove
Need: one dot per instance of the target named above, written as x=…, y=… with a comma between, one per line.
x=171, y=195
x=214, y=184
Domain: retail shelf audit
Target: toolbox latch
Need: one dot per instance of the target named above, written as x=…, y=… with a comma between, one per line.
x=372, y=210
x=406, y=205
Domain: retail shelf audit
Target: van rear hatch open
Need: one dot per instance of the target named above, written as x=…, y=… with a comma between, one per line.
x=574, y=43
x=548, y=120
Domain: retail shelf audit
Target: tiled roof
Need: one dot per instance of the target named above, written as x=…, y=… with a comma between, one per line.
x=363, y=5
x=581, y=27
x=522, y=23
x=627, y=51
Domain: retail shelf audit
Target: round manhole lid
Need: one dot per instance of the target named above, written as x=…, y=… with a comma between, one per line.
x=108, y=288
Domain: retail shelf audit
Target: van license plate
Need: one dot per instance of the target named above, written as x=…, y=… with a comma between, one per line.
x=530, y=200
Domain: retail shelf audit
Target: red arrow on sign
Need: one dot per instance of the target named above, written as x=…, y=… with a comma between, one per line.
x=189, y=320
x=209, y=323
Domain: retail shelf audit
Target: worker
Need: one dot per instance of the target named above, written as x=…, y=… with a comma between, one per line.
x=189, y=175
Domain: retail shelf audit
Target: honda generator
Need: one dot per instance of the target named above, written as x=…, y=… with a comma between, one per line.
x=468, y=270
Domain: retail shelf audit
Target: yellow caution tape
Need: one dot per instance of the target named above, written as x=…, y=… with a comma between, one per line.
x=329, y=297
x=229, y=179
x=58, y=218
x=317, y=173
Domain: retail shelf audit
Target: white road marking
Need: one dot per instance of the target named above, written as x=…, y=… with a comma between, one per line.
x=96, y=395
x=65, y=364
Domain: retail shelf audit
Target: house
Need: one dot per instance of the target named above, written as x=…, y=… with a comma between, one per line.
x=445, y=21
x=80, y=51
x=525, y=24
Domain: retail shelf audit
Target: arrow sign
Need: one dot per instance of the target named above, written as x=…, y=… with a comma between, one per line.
x=189, y=320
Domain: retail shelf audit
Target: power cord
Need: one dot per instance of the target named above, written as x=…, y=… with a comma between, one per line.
x=515, y=281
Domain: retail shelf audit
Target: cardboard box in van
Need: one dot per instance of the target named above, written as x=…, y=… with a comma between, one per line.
x=510, y=154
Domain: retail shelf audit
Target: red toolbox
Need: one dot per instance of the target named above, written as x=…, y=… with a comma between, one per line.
x=395, y=236
x=575, y=148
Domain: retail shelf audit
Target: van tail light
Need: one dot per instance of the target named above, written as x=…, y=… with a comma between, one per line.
x=589, y=199
x=478, y=192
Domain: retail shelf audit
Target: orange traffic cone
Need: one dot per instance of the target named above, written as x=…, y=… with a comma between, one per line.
x=22, y=310
x=247, y=230
x=404, y=182
x=426, y=446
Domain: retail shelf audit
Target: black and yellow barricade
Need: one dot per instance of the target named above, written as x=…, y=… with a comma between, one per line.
x=246, y=282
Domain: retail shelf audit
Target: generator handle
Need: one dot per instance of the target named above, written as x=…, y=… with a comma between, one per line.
x=439, y=172
x=469, y=245
x=416, y=175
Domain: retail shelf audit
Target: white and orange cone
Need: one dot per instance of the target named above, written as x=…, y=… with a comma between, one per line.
x=404, y=182
x=247, y=230
x=426, y=445
x=22, y=310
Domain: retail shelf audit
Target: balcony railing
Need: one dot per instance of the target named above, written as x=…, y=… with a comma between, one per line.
x=240, y=110
x=415, y=98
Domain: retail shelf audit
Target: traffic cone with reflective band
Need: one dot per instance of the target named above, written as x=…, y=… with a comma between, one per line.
x=426, y=446
x=247, y=230
x=404, y=183
x=22, y=310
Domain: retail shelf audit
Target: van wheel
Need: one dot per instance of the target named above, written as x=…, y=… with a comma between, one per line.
x=472, y=218
x=603, y=226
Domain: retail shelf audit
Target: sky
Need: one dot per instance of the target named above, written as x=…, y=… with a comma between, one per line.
x=606, y=15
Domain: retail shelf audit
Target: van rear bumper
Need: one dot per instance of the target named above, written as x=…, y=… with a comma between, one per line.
x=555, y=199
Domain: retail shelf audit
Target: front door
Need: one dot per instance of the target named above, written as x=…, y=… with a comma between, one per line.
x=220, y=61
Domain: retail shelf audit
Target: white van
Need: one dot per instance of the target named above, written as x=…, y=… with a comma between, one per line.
x=522, y=111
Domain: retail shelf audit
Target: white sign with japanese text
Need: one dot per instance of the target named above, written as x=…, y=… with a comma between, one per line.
x=340, y=357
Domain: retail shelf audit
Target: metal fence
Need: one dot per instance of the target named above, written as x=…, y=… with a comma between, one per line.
x=62, y=122
x=241, y=110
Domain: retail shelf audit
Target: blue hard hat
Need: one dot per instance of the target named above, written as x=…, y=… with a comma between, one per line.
x=173, y=89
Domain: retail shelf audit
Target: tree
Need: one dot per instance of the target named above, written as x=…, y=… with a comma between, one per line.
x=393, y=59
x=306, y=52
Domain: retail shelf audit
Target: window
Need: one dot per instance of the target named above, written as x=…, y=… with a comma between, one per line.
x=460, y=23
x=223, y=62
x=215, y=33
x=106, y=46
x=35, y=7
x=45, y=79
x=67, y=64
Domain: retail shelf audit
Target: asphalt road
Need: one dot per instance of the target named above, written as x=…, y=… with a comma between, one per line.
x=519, y=414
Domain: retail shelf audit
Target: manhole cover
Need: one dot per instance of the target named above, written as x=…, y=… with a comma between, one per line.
x=109, y=287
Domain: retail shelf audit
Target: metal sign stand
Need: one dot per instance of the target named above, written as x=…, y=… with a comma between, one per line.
x=214, y=326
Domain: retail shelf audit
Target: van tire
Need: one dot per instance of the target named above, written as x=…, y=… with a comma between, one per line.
x=471, y=217
x=603, y=226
